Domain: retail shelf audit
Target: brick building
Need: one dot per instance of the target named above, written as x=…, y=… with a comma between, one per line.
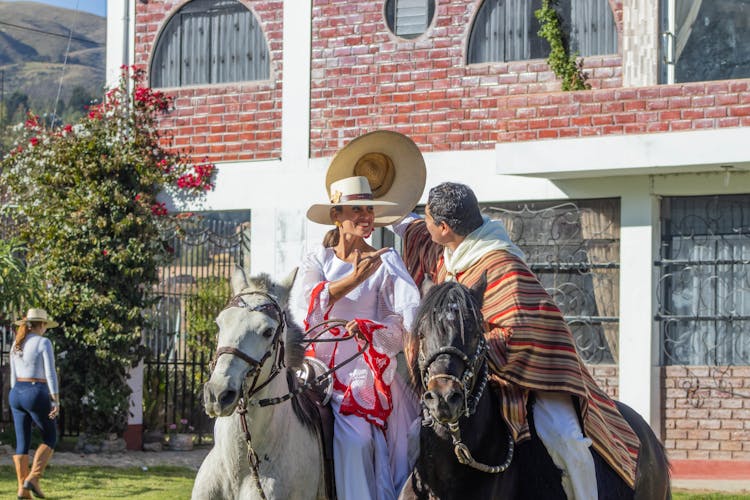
x=632, y=199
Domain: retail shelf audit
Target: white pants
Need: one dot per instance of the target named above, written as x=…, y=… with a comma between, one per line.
x=370, y=464
x=557, y=426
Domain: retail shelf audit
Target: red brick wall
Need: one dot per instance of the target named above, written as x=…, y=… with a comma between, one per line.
x=707, y=412
x=663, y=108
x=365, y=78
x=236, y=121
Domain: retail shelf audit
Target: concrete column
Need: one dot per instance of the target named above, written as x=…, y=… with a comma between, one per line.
x=134, y=431
x=295, y=110
x=639, y=335
x=120, y=40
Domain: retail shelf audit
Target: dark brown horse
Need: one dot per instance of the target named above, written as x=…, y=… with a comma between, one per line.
x=465, y=447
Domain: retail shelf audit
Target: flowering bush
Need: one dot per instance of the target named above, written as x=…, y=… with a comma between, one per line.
x=183, y=427
x=87, y=195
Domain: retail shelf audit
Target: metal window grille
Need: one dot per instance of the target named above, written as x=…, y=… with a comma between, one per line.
x=210, y=41
x=704, y=285
x=574, y=249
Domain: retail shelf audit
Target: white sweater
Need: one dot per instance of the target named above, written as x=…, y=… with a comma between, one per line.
x=37, y=360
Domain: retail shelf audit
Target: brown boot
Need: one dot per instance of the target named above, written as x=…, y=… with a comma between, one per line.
x=41, y=458
x=22, y=470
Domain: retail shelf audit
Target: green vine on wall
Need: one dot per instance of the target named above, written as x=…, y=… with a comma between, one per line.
x=564, y=65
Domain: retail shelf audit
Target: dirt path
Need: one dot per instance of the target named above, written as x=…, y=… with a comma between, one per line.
x=191, y=459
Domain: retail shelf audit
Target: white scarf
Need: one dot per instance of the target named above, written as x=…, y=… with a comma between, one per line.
x=491, y=235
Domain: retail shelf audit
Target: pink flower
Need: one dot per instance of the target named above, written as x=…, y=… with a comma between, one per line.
x=105, y=252
x=34, y=141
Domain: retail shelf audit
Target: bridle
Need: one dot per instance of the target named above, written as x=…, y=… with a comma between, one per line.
x=473, y=380
x=472, y=384
x=277, y=343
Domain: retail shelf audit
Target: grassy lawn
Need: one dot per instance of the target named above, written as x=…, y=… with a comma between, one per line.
x=156, y=483
x=174, y=483
x=683, y=495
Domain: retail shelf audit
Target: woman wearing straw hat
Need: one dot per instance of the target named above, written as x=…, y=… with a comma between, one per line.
x=33, y=397
x=348, y=279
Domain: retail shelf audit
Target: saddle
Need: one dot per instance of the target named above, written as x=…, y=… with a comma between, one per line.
x=313, y=404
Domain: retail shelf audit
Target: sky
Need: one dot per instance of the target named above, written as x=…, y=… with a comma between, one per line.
x=98, y=7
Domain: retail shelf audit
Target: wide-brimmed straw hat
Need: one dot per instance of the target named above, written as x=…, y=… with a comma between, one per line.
x=393, y=166
x=348, y=191
x=37, y=314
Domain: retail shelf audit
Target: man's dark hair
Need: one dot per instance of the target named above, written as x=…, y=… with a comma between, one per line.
x=456, y=205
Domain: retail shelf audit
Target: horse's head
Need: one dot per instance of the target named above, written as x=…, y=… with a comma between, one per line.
x=250, y=341
x=451, y=348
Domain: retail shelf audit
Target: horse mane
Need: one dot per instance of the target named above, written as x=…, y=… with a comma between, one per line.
x=294, y=348
x=450, y=295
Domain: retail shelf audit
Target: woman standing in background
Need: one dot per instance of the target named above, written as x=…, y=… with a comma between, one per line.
x=34, y=396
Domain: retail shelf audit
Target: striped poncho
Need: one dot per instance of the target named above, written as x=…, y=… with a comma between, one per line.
x=530, y=347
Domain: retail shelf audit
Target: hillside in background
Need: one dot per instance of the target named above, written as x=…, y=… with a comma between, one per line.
x=33, y=48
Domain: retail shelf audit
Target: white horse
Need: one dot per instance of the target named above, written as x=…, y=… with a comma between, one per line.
x=249, y=365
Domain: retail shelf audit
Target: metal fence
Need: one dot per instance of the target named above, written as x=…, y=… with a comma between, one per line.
x=191, y=291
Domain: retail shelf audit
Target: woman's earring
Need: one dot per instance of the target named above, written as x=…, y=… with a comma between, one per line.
x=337, y=223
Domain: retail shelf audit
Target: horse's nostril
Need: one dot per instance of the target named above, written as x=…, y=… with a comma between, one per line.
x=429, y=396
x=227, y=398
x=455, y=399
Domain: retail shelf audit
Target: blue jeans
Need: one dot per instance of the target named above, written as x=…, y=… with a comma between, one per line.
x=30, y=401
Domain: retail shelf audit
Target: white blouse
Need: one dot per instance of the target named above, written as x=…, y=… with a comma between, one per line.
x=388, y=297
x=36, y=360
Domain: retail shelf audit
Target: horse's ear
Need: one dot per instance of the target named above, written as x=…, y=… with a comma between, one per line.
x=289, y=280
x=479, y=287
x=282, y=289
x=238, y=280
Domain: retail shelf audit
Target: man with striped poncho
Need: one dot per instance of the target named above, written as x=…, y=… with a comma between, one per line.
x=531, y=349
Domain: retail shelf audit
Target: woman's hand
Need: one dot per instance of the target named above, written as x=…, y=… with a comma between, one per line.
x=365, y=264
x=353, y=328
x=55, y=410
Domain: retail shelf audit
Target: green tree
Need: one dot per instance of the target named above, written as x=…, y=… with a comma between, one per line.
x=211, y=295
x=20, y=284
x=17, y=104
x=93, y=224
x=80, y=99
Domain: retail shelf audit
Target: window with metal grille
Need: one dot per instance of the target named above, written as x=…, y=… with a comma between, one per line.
x=210, y=41
x=409, y=18
x=506, y=30
x=704, y=286
x=573, y=247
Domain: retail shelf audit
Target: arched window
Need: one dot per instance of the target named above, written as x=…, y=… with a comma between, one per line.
x=210, y=41
x=506, y=30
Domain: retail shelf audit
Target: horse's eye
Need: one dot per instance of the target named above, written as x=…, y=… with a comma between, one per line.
x=268, y=332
